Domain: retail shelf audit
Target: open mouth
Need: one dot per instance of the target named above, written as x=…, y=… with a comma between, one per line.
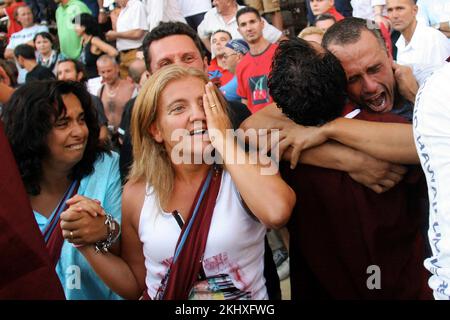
x=78, y=146
x=377, y=103
x=198, y=132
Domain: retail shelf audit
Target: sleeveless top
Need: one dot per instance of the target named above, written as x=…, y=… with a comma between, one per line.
x=49, y=63
x=234, y=255
x=90, y=60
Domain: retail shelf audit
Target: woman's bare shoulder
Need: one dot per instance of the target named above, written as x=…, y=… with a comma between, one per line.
x=132, y=199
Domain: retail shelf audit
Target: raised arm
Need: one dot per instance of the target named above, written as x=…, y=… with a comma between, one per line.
x=105, y=47
x=267, y=196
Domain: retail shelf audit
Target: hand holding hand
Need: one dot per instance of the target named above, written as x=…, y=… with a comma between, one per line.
x=84, y=221
x=91, y=206
x=80, y=228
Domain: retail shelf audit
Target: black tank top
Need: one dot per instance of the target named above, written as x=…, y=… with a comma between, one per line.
x=90, y=61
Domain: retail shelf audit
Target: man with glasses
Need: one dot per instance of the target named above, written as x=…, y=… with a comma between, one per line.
x=234, y=51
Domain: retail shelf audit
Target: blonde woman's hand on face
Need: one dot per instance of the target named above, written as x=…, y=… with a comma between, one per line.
x=216, y=118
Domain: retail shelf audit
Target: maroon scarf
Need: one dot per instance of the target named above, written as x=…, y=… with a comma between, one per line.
x=25, y=268
x=184, y=272
x=53, y=233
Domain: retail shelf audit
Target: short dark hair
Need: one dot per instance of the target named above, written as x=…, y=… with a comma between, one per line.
x=325, y=16
x=29, y=117
x=348, y=31
x=45, y=35
x=25, y=51
x=79, y=67
x=222, y=31
x=309, y=86
x=90, y=24
x=166, y=29
x=245, y=10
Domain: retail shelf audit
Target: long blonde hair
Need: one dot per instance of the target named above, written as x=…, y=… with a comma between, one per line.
x=151, y=161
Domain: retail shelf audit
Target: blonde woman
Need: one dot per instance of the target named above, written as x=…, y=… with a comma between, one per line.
x=312, y=34
x=185, y=222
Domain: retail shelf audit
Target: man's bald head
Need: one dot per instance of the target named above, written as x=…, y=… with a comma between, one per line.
x=105, y=59
x=136, y=69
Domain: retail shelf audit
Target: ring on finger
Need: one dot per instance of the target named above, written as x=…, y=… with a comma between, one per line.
x=213, y=106
x=71, y=235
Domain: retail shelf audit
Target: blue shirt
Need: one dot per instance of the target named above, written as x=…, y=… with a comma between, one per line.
x=78, y=279
x=229, y=90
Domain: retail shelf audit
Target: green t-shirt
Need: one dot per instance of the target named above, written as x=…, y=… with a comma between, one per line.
x=69, y=41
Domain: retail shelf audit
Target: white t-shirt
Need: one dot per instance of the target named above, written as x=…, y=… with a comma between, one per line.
x=162, y=11
x=193, y=7
x=235, y=245
x=213, y=21
x=21, y=37
x=364, y=8
x=427, y=46
x=433, y=11
x=431, y=125
x=130, y=18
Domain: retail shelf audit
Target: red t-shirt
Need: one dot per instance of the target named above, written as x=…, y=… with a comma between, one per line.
x=339, y=228
x=252, y=74
x=13, y=25
x=215, y=71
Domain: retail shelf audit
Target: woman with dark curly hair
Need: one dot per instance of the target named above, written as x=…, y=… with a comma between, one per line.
x=53, y=131
x=92, y=40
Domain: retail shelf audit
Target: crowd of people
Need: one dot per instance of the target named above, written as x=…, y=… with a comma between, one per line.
x=177, y=149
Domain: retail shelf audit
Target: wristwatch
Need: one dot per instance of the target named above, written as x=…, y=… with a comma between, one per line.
x=102, y=10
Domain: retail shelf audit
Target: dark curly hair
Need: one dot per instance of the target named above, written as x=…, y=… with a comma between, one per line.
x=308, y=85
x=29, y=117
